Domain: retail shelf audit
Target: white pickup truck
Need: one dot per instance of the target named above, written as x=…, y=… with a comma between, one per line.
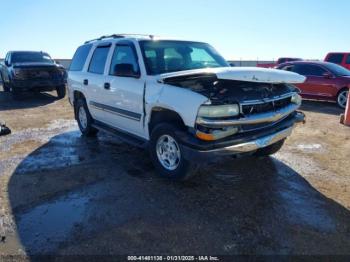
x=181, y=100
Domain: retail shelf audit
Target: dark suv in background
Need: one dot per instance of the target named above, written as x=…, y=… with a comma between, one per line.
x=24, y=71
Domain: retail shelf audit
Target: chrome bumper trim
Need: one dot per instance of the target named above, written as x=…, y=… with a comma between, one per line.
x=254, y=145
x=254, y=119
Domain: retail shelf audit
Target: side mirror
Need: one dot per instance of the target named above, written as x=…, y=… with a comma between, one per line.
x=125, y=70
x=232, y=64
x=57, y=62
x=7, y=63
x=327, y=75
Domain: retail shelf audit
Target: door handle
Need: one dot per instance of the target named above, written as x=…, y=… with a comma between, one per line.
x=86, y=82
x=107, y=86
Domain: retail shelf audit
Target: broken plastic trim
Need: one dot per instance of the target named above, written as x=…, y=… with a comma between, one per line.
x=4, y=130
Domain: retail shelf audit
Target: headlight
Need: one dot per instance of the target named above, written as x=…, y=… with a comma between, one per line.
x=18, y=73
x=296, y=99
x=218, y=111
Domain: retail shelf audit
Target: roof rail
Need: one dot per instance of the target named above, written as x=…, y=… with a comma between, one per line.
x=118, y=36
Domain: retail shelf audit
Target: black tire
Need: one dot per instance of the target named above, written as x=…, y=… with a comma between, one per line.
x=4, y=130
x=184, y=169
x=270, y=150
x=340, y=98
x=61, y=91
x=15, y=93
x=88, y=129
x=6, y=87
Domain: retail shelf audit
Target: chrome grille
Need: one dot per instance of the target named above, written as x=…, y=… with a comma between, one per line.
x=251, y=108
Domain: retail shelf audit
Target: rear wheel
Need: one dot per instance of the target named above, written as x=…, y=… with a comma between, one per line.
x=167, y=155
x=342, y=97
x=270, y=150
x=84, y=118
x=61, y=91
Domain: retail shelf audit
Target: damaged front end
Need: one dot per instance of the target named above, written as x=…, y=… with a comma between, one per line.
x=236, y=106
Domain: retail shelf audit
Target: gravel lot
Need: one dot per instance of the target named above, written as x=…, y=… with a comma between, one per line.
x=65, y=194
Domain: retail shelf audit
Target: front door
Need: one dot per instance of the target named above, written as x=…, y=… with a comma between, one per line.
x=319, y=82
x=124, y=92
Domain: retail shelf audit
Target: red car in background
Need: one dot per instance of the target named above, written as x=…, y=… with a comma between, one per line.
x=280, y=60
x=324, y=81
x=342, y=59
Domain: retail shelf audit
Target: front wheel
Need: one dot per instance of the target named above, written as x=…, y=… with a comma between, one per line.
x=167, y=155
x=4, y=85
x=15, y=93
x=342, y=98
x=84, y=118
x=61, y=91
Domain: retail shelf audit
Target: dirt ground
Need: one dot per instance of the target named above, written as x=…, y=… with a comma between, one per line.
x=65, y=194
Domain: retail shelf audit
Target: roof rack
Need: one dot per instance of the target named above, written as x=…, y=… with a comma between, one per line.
x=119, y=36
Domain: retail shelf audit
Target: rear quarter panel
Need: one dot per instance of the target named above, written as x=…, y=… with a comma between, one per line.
x=74, y=81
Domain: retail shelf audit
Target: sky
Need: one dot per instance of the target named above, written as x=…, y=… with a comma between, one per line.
x=238, y=29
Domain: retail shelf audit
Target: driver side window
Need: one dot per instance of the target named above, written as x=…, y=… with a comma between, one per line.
x=123, y=55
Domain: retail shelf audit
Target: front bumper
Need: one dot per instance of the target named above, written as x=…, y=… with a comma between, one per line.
x=249, y=142
x=37, y=85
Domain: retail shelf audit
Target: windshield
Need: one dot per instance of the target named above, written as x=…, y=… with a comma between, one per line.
x=172, y=56
x=338, y=70
x=30, y=57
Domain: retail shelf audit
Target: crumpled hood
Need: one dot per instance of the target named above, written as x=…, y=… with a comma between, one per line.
x=248, y=74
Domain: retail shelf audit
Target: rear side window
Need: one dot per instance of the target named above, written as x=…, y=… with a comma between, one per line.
x=98, y=60
x=79, y=58
x=309, y=70
x=335, y=58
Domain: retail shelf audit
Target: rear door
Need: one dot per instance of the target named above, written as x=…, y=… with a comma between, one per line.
x=319, y=81
x=124, y=94
x=94, y=82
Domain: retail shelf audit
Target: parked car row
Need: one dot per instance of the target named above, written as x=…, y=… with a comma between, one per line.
x=324, y=81
x=327, y=81
x=24, y=71
x=280, y=60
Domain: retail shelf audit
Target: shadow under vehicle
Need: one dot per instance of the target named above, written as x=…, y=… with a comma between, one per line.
x=28, y=100
x=98, y=196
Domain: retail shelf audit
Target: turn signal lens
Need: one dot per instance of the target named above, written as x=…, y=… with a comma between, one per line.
x=204, y=136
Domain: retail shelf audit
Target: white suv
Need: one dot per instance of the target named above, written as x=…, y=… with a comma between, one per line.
x=181, y=100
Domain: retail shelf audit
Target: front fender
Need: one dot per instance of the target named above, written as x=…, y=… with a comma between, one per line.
x=180, y=100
